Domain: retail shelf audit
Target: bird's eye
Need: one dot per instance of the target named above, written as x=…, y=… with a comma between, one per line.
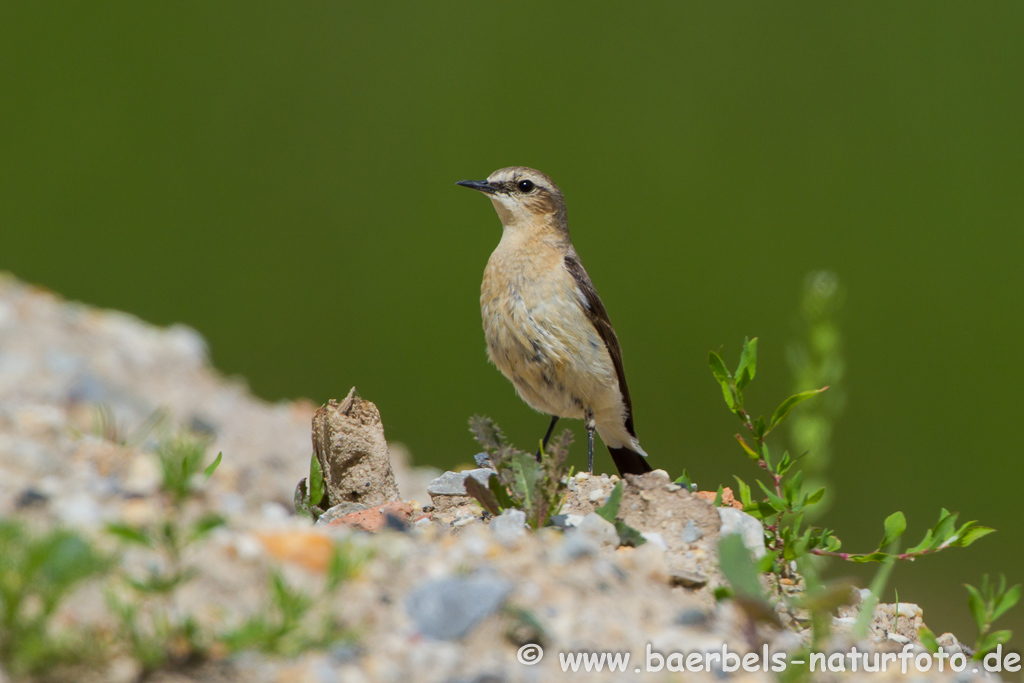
x=525, y=186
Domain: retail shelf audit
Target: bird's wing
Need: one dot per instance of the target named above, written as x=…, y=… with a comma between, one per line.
x=594, y=309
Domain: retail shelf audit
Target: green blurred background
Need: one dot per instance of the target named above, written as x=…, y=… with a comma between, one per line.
x=280, y=176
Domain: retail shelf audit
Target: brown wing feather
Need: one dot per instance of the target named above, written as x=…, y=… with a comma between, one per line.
x=599, y=319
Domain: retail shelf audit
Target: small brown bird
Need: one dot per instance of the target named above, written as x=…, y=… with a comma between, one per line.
x=546, y=328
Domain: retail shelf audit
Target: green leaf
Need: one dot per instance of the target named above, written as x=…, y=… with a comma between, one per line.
x=773, y=499
x=130, y=534
x=748, y=363
x=610, y=510
x=721, y=374
x=525, y=471
x=976, y=603
x=785, y=462
x=718, y=497
x=684, y=480
x=1006, y=601
x=718, y=368
x=928, y=639
x=750, y=451
x=991, y=641
x=783, y=410
x=895, y=525
x=815, y=497
x=316, y=482
x=924, y=544
x=969, y=533
x=759, y=428
x=483, y=495
x=501, y=494
x=212, y=467
x=205, y=524
x=628, y=535
x=943, y=529
x=722, y=593
x=744, y=490
x=738, y=567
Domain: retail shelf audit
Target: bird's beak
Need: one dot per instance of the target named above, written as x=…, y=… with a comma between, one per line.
x=481, y=185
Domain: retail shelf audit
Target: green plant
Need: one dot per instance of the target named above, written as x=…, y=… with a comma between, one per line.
x=287, y=626
x=149, y=624
x=522, y=483
x=181, y=460
x=988, y=603
x=38, y=571
x=610, y=512
x=785, y=501
x=309, y=494
x=106, y=426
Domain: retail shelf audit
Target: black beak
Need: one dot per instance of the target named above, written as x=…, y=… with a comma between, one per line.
x=481, y=185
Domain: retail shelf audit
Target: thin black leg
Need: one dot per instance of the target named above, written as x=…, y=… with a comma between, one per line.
x=591, y=426
x=547, y=437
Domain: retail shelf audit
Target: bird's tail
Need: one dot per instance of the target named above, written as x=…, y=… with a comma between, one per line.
x=629, y=462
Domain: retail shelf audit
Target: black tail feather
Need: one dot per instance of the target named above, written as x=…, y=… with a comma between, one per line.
x=629, y=462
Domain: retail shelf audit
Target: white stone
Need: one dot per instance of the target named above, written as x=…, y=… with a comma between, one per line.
x=509, y=526
x=656, y=539
x=598, y=529
x=750, y=529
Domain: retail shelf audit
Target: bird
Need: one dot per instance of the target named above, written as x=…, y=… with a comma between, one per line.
x=545, y=326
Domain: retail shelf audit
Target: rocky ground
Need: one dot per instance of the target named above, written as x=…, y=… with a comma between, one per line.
x=437, y=590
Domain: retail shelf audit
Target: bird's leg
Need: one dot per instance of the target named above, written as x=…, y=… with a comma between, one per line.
x=591, y=426
x=547, y=437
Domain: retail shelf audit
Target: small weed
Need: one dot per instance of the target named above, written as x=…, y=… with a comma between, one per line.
x=38, y=571
x=288, y=625
x=610, y=512
x=523, y=483
x=156, y=634
x=785, y=501
x=988, y=603
x=309, y=494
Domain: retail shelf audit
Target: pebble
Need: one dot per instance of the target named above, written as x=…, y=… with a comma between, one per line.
x=949, y=643
x=454, y=483
x=509, y=526
x=692, y=617
x=446, y=609
x=691, y=532
x=80, y=510
x=144, y=475
x=566, y=521
x=908, y=610
x=655, y=538
x=749, y=528
x=574, y=546
x=596, y=495
x=338, y=511
x=273, y=511
x=599, y=530
x=679, y=577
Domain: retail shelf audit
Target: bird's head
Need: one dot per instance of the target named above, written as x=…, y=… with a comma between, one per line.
x=522, y=196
